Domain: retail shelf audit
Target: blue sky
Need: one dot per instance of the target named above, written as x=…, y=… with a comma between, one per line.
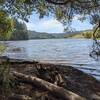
x=51, y=25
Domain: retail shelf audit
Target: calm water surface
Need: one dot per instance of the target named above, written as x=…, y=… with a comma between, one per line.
x=73, y=52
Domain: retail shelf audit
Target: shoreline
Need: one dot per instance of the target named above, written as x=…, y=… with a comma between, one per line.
x=88, y=70
x=64, y=76
x=76, y=66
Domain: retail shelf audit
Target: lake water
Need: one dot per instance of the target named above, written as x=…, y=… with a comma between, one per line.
x=73, y=52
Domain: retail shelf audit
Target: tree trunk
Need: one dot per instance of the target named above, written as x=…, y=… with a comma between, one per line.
x=54, y=89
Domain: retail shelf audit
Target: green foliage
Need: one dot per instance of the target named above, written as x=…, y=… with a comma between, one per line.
x=63, y=10
x=69, y=35
x=6, y=83
x=19, y=35
x=39, y=35
x=19, y=25
x=98, y=33
x=20, y=31
x=58, y=13
x=2, y=48
x=2, y=1
x=87, y=35
x=6, y=26
x=82, y=34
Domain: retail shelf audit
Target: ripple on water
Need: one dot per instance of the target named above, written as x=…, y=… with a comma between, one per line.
x=74, y=52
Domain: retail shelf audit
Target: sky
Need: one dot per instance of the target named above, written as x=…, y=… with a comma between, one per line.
x=51, y=25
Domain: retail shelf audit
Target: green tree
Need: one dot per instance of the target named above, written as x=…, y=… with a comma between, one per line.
x=87, y=34
x=6, y=26
x=98, y=33
x=20, y=31
x=19, y=35
x=63, y=10
x=18, y=25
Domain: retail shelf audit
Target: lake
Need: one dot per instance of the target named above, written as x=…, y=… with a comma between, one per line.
x=73, y=52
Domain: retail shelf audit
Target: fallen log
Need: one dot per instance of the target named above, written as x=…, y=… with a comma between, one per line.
x=19, y=97
x=57, y=91
x=4, y=59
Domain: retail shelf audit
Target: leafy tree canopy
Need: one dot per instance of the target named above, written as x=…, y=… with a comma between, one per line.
x=63, y=10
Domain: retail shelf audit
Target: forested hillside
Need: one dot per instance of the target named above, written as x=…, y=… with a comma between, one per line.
x=20, y=32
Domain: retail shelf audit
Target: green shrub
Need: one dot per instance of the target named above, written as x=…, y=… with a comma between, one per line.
x=6, y=80
x=87, y=35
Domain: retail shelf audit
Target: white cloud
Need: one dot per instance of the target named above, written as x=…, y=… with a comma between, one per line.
x=77, y=17
x=50, y=25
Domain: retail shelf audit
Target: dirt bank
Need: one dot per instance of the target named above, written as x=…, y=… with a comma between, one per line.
x=67, y=77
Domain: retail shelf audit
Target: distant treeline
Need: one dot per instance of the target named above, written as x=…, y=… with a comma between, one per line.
x=83, y=34
x=20, y=32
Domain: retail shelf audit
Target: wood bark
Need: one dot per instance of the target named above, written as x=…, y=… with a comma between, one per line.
x=19, y=97
x=57, y=91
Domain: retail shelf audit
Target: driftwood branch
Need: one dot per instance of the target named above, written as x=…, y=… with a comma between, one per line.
x=54, y=89
x=19, y=97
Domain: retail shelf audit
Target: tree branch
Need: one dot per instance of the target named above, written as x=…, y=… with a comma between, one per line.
x=58, y=3
x=67, y=1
